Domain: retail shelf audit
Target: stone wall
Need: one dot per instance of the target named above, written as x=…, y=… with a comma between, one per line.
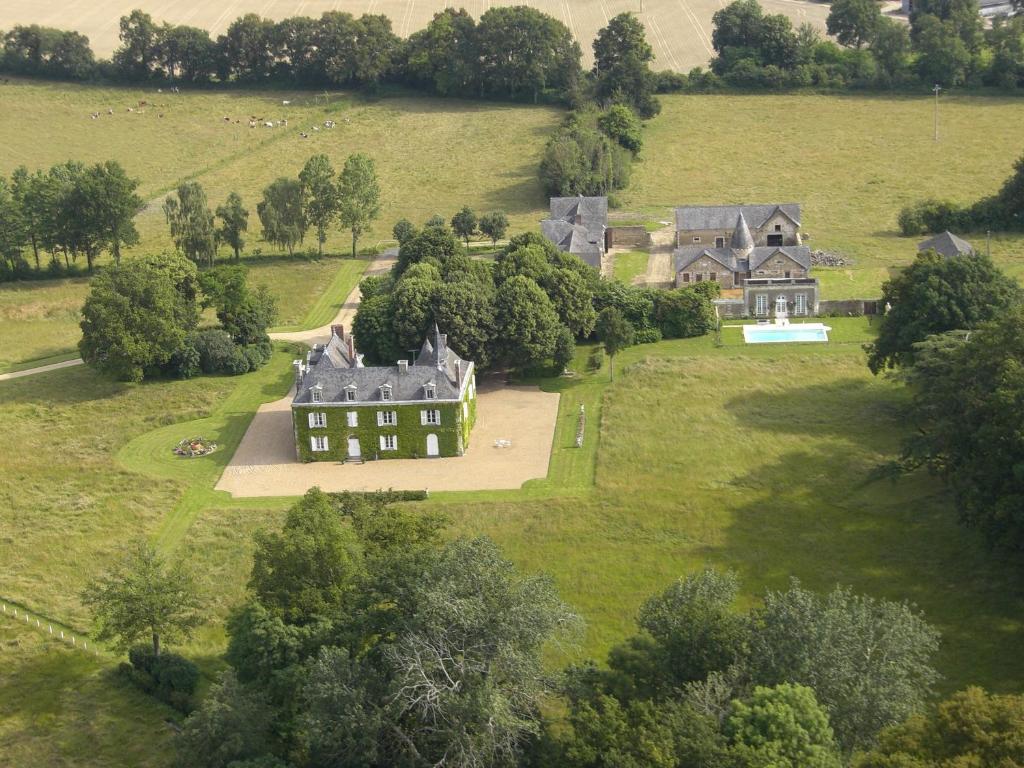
x=628, y=237
x=846, y=307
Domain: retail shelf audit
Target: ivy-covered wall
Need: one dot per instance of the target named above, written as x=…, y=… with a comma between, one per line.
x=411, y=434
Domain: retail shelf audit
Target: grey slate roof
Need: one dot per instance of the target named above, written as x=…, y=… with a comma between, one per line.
x=332, y=370
x=741, y=239
x=575, y=239
x=739, y=261
x=593, y=211
x=690, y=217
x=947, y=244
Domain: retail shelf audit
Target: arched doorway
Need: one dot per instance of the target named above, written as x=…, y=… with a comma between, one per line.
x=432, y=449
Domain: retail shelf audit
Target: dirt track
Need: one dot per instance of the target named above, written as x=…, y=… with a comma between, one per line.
x=265, y=464
x=678, y=30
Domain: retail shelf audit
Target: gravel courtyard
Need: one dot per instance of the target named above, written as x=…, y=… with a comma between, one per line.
x=265, y=464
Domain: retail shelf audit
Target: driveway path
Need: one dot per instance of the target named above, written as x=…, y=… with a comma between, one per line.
x=41, y=369
x=660, y=273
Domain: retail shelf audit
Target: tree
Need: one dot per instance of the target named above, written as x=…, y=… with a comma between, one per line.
x=494, y=225
x=374, y=331
x=320, y=196
x=523, y=52
x=464, y=223
x=621, y=65
x=191, y=223
x=359, y=196
x=615, y=333
x=934, y=295
x=248, y=50
x=186, y=52
x=307, y=570
x=442, y=56
x=891, y=48
x=13, y=229
x=465, y=309
x=31, y=194
x=972, y=727
x=114, y=205
x=232, y=725
x=140, y=38
x=783, y=727
x=966, y=387
x=234, y=223
x=138, y=314
x=620, y=124
x=281, y=213
x=854, y=22
x=695, y=627
x=573, y=301
x=683, y=313
x=376, y=48
x=943, y=57
x=403, y=231
x=144, y=598
x=527, y=325
x=413, y=302
x=867, y=660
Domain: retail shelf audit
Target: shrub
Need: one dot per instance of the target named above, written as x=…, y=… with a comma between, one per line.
x=168, y=677
x=216, y=350
x=596, y=359
x=620, y=124
x=931, y=216
x=648, y=336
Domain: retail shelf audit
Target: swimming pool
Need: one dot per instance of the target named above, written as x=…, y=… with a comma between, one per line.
x=769, y=334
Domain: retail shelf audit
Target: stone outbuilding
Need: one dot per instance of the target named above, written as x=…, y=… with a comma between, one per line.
x=947, y=244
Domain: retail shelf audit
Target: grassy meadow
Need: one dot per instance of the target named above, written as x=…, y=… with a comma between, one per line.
x=629, y=265
x=852, y=160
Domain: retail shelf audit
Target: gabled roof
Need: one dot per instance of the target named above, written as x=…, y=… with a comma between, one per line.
x=686, y=255
x=801, y=254
x=436, y=365
x=947, y=244
x=593, y=211
x=588, y=244
x=701, y=217
x=735, y=262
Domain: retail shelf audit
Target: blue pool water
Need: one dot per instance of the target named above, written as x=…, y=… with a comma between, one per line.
x=767, y=334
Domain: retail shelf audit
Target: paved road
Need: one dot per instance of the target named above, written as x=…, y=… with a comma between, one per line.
x=320, y=335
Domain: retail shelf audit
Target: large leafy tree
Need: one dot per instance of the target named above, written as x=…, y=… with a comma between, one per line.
x=234, y=221
x=527, y=324
x=358, y=196
x=191, y=222
x=854, y=22
x=622, y=59
x=868, y=661
x=13, y=228
x=783, y=727
x=144, y=598
x=140, y=40
x=138, y=314
x=113, y=205
x=967, y=389
x=442, y=55
x=320, y=196
x=934, y=295
x=282, y=213
x=615, y=332
x=972, y=727
x=248, y=49
x=494, y=225
x=464, y=223
x=231, y=728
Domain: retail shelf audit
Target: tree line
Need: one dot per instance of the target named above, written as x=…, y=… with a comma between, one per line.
x=946, y=43
x=370, y=637
x=510, y=52
x=72, y=210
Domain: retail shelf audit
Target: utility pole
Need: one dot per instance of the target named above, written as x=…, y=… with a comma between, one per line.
x=936, y=90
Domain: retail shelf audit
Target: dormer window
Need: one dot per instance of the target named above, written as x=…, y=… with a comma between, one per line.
x=385, y=392
x=429, y=391
x=350, y=393
x=316, y=394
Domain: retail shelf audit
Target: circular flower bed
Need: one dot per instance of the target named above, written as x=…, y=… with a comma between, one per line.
x=195, y=446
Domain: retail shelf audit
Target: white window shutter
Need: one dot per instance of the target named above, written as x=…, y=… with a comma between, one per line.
x=382, y=442
x=380, y=418
x=326, y=446
x=312, y=443
x=311, y=419
x=423, y=417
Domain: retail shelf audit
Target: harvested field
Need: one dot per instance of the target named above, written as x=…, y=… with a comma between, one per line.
x=678, y=30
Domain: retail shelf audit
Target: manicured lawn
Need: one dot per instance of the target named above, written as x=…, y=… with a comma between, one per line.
x=629, y=265
x=309, y=292
x=852, y=160
x=39, y=321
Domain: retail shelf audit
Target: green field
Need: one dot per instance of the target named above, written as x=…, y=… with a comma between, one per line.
x=853, y=161
x=629, y=265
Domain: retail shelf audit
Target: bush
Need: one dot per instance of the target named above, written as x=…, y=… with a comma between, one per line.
x=931, y=216
x=596, y=359
x=168, y=677
x=683, y=312
x=217, y=352
x=620, y=124
x=648, y=336
x=238, y=363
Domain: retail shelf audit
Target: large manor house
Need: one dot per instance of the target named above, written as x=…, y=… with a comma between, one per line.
x=344, y=410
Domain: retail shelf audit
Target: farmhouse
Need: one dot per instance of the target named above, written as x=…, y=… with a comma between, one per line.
x=346, y=411
x=579, y=225
x=947, y=244
x=753, y=252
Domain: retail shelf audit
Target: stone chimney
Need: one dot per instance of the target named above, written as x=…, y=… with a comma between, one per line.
x=351, y=340
x=297, y=367
x=338, y=330
x=403, y=366
x=444, y=339
x=458, y=375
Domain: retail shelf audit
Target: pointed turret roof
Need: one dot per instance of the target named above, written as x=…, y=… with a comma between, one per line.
x=741, y=238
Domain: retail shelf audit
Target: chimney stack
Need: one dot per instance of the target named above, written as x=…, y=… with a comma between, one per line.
x=444, y=339
x=458, y=375
x=403, y=366
x=338, y=330
x=351, y=345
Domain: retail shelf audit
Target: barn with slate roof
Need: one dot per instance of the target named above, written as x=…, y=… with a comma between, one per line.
x=344, y=410
x=947, y=244
x=578, y=225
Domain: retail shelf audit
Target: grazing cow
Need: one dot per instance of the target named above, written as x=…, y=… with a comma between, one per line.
x=110, y=111
x=159, y=90
x=303, y=134
x=131, y=109
x=252, y=123
x=268, y=124
x=329, y=123
x=284, y=122
x=227, y=119
x=316, y=127
x=285, y=103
